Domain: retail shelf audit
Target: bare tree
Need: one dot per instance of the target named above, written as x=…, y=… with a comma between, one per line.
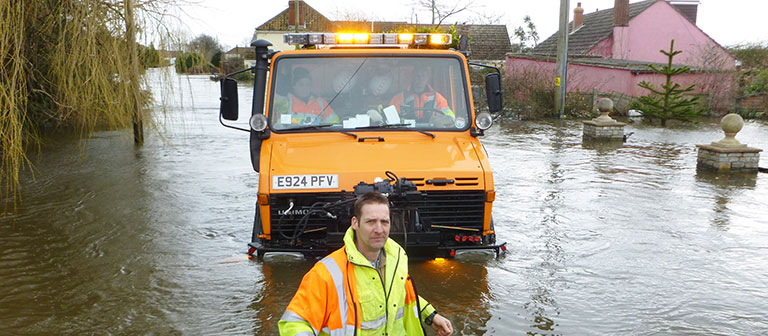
x=205, y=45
x=440, y=11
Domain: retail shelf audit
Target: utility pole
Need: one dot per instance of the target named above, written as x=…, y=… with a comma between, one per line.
x=562, y=58
x=296, y=10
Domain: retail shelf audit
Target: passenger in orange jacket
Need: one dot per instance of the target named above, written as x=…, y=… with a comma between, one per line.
x=300, y=106
x=422, y=103
x=362, y=288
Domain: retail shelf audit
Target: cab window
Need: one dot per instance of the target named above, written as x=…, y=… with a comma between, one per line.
x=358, y=93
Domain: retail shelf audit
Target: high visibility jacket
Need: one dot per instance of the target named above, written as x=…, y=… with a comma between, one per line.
x=420, y=101
x=311, y=112
x=343, y=295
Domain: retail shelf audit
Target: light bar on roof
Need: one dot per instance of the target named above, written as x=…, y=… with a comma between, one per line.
x=421, y=39
x=295, y=39
x=405, y=38
x=440, y=38
x=361, y=37
x=390, y=38
x=315, y=38
x=345, y=38
x=376, y=39
x=329, y=38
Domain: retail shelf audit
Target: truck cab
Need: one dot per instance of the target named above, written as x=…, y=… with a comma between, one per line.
x=350, y=113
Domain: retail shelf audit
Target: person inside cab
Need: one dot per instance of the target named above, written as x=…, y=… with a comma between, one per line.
x=300, y=107
x=363, y=288
x=420, y=102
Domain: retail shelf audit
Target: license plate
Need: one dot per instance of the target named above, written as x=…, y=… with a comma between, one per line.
x=324, y=181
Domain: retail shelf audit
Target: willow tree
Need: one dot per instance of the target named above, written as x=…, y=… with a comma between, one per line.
x=66, y=64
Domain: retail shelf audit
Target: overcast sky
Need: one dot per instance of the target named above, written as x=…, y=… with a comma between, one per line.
x=729, y=22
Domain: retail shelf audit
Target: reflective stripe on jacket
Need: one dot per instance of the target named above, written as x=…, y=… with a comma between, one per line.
x=344, y=295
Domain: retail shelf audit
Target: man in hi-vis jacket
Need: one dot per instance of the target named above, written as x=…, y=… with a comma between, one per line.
x=363, y=288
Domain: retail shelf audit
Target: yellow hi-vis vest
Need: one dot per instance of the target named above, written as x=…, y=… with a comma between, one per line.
x=344, y=295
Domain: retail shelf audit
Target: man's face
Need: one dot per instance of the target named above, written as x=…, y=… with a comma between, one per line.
x=302, y=88
x=372, y=227
x=420, y=79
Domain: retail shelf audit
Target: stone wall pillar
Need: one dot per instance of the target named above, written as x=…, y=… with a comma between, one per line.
x=604, y=127
x=729, y=154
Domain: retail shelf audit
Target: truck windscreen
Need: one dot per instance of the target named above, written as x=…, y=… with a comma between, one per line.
x=346, y=93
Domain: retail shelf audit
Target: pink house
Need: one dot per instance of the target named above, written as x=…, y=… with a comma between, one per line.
x=609, y=50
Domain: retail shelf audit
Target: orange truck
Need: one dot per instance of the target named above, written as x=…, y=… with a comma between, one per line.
x=349, y=113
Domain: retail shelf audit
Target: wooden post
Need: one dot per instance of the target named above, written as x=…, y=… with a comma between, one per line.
x=594, y=102
x=133, y=74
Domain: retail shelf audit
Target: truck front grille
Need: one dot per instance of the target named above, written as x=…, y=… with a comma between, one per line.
x=449, y=208
x=453, y=208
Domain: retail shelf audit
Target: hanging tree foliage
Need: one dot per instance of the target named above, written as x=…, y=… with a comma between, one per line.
x=64, y=64
x=667, y=102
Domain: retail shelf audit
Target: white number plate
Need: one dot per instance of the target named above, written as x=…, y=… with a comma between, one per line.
x=326, y=181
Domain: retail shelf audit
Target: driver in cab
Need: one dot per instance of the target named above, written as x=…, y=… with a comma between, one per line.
x=422, y=103
x=300, y=107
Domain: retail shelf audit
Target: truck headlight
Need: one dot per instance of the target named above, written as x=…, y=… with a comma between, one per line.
x=258, y=122
x=483, y=120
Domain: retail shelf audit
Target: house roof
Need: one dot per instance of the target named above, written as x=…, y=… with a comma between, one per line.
x=239, y=50
x=488, y=42
x=597, y=27
x=613, y=63
x=245, y=52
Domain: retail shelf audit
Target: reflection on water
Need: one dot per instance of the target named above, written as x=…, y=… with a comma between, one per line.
x=617, y=238
x=726, y=187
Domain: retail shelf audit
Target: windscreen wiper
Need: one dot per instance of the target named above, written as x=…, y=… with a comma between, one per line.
x=395, y=126
x=307, y=127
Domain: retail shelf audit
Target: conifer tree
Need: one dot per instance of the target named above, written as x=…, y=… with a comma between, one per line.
x=667, y=102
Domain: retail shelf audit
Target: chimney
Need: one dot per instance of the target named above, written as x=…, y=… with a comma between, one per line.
x=292, y=13
x=620, y=30
x=689, y=8
x=578, y=16
x=621, y=13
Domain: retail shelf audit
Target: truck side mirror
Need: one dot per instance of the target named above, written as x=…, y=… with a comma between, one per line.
x=493, y=92
x=228, y=98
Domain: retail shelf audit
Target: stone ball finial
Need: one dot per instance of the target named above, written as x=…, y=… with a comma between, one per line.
x=731, y=124
x=605, y=106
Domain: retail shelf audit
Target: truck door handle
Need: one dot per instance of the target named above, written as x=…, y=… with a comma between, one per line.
x=378, y=139
x=440, y=182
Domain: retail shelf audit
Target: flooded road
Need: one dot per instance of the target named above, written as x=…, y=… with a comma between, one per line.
x=114, y=239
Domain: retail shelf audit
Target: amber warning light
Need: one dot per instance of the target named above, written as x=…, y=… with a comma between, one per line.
x=310, y=39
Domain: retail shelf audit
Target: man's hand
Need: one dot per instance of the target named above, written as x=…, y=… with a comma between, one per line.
x=442, y=325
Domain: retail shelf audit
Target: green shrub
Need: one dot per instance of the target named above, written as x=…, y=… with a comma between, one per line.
x=216, y=59
x=759, y=83
x=190, y=63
